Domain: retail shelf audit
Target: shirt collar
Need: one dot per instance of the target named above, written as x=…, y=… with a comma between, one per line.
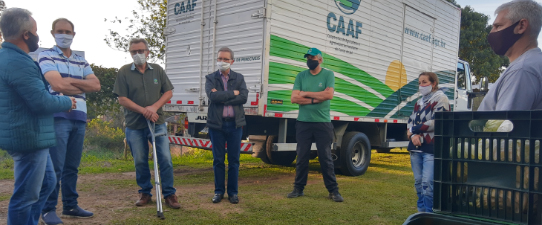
x=59, y=51
x=227, y=75
x=148, y=66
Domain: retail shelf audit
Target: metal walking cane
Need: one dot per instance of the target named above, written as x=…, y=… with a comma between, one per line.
x=159, y=210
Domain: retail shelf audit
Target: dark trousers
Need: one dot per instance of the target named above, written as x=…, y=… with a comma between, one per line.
x=231, y=136
x=322, y=134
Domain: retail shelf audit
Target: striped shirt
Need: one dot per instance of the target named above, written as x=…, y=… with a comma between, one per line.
x=75, y=67
x=228, y=109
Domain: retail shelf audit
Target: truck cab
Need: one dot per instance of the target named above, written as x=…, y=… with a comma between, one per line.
x=466, y=98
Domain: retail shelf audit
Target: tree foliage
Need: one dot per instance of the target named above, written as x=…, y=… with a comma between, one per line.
x=149, y=23
x=104, y=102
x=474, y=47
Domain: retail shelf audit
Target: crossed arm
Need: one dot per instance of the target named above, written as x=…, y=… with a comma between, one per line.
x=71, y=86
x=306, y=98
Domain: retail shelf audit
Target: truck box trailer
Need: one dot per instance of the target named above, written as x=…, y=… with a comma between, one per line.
x=376, y=49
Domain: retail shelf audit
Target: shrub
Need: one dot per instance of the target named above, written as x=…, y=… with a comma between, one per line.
x=100, y=134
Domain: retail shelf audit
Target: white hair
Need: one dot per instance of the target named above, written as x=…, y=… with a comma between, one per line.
x=524, y=9
x=14, y=22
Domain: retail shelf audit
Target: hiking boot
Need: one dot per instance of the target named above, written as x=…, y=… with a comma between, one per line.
x=143, y=199
x=335, y=196
x=50, y=218
x=295, y=193
x=76, y=212
x=172, y=202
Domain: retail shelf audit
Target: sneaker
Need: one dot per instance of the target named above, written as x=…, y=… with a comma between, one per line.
x=77, y=212
x=50, y=218
x=295, y=193
x=336, y=196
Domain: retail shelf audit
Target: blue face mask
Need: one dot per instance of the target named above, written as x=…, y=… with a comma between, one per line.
x=63, y=40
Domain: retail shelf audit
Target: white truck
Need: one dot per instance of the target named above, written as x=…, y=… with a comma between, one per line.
x=376, y=49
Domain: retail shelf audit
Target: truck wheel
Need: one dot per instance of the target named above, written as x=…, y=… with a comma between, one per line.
x=355, y=154
x=383, y=150
x=278, y=158
x=260, y=142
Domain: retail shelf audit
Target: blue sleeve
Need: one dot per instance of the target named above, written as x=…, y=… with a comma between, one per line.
x=31, y=88
x=46, y=61
x=87, y=70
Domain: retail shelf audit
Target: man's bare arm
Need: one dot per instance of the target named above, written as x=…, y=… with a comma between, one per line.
x=60, y=84
x=161, y=102
x=324, y=95
x=130, y=105
x=297, y=99
x=91, y=83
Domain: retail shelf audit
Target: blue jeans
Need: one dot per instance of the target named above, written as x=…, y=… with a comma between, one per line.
x=66, y=157
x=138, y=140
x=232, y=136
x=34, y=181
x=423, y=168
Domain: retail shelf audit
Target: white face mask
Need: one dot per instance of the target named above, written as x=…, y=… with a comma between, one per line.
x=63, y=40
x=139, y=59
x=223, y=66
x=425, y=90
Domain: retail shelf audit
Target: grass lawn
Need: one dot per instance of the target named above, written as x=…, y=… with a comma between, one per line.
x=384, y=195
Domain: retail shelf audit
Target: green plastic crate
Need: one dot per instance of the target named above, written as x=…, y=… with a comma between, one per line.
x=489, y=175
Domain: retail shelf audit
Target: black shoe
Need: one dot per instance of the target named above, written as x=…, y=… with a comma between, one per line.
x=233, y=199
x=217, y=198
x=296, y=193
x=336, y=196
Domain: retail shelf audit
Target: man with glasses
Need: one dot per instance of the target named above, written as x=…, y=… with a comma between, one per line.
x=67, y=74
x=228, y=92
x=143, y=88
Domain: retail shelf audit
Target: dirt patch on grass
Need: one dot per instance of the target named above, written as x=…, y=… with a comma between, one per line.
x=112, y=196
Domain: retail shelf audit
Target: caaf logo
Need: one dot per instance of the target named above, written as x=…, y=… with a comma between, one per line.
x=181, y=8
x=348, y=6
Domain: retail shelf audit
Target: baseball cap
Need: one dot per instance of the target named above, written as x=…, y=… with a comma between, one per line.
x=313, y=52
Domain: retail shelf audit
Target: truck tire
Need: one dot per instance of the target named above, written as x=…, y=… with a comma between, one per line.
x=383, y=150
x=355, y=154
x=260, y=142
x=278, y=158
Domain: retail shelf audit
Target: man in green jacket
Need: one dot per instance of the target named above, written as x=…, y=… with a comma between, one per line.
x=27, y=117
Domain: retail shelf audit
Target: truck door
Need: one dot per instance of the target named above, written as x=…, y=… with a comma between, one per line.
x=416, y=51
x=462, y=87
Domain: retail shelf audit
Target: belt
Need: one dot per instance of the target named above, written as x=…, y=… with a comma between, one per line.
x=228, y=119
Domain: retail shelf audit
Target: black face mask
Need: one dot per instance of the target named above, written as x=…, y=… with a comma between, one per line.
x=32, y=42
x=312, y=64
x=503, y=40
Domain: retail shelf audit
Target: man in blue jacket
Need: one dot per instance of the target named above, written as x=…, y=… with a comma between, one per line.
x=228, y=92
x=27, y=117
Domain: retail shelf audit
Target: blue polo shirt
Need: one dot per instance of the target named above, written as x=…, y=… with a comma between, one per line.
x=75, y=67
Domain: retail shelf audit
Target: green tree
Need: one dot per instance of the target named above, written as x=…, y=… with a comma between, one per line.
x=474, y=48
x=149, y=23
x=104, y=102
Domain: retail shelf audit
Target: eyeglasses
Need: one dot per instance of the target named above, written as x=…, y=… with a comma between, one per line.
x=140, y=51
x=222, y=59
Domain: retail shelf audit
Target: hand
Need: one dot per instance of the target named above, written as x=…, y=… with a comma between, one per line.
x=408, y=133
x=213, y=90
x=236, y=92
x=154, y=117
x=416, y=140
x=147, y=113
x=152, y=108
x=74, y=103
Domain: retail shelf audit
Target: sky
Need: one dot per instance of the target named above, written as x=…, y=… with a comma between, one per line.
x=91, y=29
